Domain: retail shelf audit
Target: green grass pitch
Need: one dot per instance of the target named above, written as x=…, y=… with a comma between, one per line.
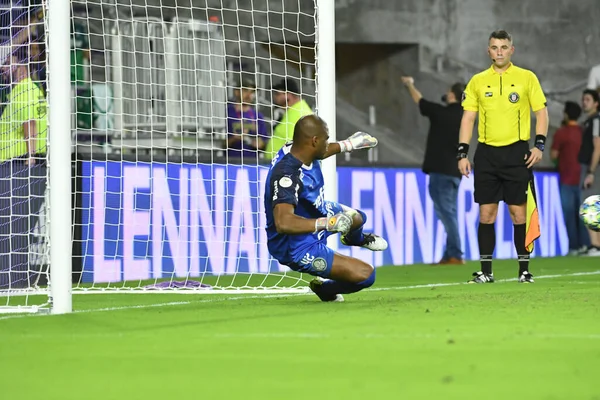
x=404, y=339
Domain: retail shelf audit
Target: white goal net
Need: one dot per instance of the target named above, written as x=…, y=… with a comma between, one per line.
x=175, y=109
x=172, y=111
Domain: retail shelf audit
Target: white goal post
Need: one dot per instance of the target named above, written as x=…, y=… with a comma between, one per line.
x=158, y=187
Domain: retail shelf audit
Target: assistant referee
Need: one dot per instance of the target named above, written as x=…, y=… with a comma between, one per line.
x=502, y=97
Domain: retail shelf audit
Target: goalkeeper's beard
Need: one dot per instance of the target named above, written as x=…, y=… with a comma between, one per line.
x=322, y=154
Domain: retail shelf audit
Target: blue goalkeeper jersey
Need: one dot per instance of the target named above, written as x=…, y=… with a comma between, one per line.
x=291, y=182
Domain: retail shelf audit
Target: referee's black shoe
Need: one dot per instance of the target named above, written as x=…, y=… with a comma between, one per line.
x=526, y=277
x=480, y=277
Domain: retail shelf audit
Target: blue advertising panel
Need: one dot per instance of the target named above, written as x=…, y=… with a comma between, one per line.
x=399, y=208
x=155, y=220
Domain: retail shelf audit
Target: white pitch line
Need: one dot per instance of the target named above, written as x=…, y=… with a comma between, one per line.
x=216, y=299
x=168, y=304
x=430, y=285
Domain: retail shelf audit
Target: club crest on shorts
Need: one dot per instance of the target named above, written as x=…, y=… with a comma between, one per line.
x=513, y=97
x=319, y=264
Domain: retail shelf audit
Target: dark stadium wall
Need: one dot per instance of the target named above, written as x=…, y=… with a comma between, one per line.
x=560, y=40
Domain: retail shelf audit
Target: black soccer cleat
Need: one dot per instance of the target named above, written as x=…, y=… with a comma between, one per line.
x=526, y=277
x=480, y=277
x=316, y=285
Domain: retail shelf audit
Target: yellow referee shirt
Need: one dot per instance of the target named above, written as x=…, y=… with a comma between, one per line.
x=504, y=103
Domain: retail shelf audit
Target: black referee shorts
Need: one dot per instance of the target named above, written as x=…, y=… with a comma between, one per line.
x=501, y=173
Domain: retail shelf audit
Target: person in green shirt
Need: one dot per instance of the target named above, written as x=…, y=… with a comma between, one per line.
x=23, y=130
x=286, y=95
x=80, y=61
x=23, y=123
x=80, y=51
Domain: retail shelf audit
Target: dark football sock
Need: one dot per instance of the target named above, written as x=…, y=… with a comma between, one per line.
x=486, y=236
x=522, y=253
x=339, y=287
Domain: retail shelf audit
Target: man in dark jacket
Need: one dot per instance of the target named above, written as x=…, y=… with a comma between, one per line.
x=440, y=161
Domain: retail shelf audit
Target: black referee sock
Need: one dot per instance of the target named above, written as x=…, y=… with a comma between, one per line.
x=486, y=236
x=522, y=253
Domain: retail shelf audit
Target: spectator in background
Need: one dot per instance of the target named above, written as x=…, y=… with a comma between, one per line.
x=594, y=79
x=80, y=50
x=565, y=151
x=440, y=161
x=286, y=95
x=589, y=156
x=38, y=49
x=80, y=81
x=23, y=121
x=23, y=130
x=28, y=28
x=246, y=127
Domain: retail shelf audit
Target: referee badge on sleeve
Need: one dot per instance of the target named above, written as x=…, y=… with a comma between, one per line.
x=513, y=97
x=463, y=97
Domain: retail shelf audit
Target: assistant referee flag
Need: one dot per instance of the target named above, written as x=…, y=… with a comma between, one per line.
x=532, y=226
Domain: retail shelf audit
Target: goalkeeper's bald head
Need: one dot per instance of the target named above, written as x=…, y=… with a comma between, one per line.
x=311, y=132
x=308, y=127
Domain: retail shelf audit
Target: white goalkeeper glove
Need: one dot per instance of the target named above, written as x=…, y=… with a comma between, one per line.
x=360, y=140
x=341, y=223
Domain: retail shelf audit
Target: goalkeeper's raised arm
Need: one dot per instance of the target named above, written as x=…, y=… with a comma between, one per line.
x=359, y=140
x=299, y=219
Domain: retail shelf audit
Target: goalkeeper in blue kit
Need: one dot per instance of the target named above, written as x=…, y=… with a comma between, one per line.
x=299, y=219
